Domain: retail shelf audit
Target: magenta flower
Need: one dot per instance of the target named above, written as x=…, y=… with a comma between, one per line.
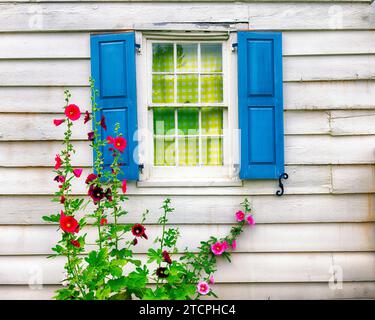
x=90, y=136
x=218, y=248
x=250, y=220
x=234, y=244
x=225, y=244
x=203, y=287
x=211, y=280
x=77, y=172
x=57, y=122
x=240, y=216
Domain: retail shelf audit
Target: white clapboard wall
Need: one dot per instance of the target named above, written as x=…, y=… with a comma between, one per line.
x=326, y=220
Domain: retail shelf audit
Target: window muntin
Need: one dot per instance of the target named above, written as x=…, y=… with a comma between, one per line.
x=187, y=102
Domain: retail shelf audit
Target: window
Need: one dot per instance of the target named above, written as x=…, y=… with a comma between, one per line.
x=187, y=102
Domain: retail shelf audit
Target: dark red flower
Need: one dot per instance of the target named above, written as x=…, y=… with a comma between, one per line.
x=103, y=221
x=62, y=199
x=102, y=123
x=90, y=136
x=72, y=112
x=91, y=177
x=57, y=122
x=167, y=257
x=135, y=241
x=161, y=272
x=108, y=194
x=96, y=193
x=87, y=117
x=75, y=243
x=139, y=231
x=59, y=179
x=58, y=162
x=68, y=223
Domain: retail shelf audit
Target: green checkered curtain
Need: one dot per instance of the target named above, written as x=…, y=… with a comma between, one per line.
x=197, y=130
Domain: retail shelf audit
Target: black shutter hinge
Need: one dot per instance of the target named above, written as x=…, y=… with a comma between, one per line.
x=141, y=167
x=281, y=186
x=234, y=46
x=138, y=48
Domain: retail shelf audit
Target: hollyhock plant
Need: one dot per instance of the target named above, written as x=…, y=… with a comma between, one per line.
x=203, y=287
x=72, y=112
x=100, y=269
x=57, y=122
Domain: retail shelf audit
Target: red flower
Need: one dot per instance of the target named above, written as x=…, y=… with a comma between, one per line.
x=62, y=199
x=58, y=162
x=57, y=122
x=167, y=257
x=119, y=143
x=68, y=223
x=102, y=123
x=96, y=193
x=123, y=186
x=90, y=136
x=91, y=177
x=103, y=221
x=139, y=231
x=72, y=112
x=87, y=117
x=59, y=179
x=75, y=243
x=77, y=172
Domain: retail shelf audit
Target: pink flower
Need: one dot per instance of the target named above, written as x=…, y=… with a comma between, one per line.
x=123, y=186
x=218, y=248
x=58, y=162
x=240, y=216
x=203, y=287
x=225, y=244
x=250, y=220
x=234, y=244
x=211, y=280
x=57, y=122
x=77, y=172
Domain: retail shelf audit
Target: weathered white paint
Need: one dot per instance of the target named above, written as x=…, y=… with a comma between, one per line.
x=260, y=268
x=329, y=91
x=23, y=210
x=315, y=237
x=261, y=16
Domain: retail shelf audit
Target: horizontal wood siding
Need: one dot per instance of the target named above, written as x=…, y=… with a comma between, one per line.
x=325, y=220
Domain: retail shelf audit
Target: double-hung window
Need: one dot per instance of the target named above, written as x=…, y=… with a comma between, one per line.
x=188, y=109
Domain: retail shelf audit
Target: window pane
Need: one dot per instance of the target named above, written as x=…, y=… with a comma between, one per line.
x=211, y=57
x=187, y=88
x=212, y=121
x=188, y=151
x=188, y=121
x=162, y=57
x=162, y=88
x=211, y=88
x=164, y=151
x=187, y=57
x=164, y=121
x=212, y=151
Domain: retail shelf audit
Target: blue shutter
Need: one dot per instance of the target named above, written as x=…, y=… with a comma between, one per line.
x=260, y=105
x=113, y=71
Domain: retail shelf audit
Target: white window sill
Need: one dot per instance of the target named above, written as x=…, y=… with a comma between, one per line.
x=188, y=183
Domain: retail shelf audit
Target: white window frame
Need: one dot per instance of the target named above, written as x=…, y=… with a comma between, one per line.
x=187, y=175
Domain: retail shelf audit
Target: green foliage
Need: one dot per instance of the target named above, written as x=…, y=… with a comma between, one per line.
x=109, y=269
